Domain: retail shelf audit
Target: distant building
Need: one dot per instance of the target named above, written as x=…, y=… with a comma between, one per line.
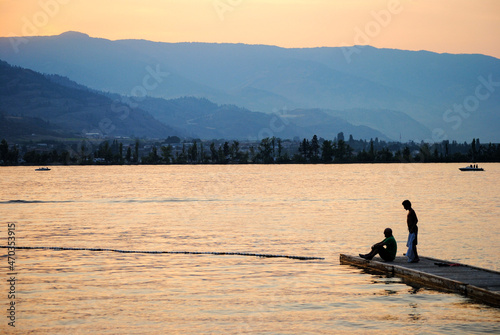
x=93, y=135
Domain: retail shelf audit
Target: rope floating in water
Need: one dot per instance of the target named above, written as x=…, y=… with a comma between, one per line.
x=302, y=258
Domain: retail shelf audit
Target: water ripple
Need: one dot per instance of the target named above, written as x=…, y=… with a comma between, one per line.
x=34, y=202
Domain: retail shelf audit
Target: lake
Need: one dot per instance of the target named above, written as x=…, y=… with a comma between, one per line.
x=302, y=210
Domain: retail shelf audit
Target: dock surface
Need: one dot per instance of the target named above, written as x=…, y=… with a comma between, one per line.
x=479, y=284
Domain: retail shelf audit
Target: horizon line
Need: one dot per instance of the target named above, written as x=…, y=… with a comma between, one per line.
x=249, y=44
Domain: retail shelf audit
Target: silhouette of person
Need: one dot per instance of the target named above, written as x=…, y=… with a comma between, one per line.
x=386, y=248
x=412, y=242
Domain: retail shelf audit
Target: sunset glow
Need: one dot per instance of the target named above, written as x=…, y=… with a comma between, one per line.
x=453, y=26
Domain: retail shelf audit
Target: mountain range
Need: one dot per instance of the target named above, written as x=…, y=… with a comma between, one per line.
x=31, y=103
x=237, y=90
x=53, y=106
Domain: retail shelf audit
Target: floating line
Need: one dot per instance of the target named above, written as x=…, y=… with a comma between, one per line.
x=222, y=253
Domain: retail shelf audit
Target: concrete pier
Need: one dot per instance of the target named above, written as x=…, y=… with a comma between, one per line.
x=479, y=284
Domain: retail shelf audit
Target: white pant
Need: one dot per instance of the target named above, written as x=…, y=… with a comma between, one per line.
x=410, y=254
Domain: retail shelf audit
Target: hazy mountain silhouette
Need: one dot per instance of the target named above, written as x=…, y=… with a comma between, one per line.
x=55, y=106
x=202, y=118
x=33, y=103
x=425, y=86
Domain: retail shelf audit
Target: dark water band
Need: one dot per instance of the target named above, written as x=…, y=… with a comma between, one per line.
x=302, y=258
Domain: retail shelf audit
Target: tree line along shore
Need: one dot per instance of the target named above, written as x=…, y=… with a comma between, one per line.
x=273, y=150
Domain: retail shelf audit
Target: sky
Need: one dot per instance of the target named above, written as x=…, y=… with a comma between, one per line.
x=451, y=26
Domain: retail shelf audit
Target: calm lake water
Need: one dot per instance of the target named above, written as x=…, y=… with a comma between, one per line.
x=304, y=210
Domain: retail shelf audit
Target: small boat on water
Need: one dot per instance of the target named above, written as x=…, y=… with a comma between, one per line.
x=42, y=169
x=471, y=168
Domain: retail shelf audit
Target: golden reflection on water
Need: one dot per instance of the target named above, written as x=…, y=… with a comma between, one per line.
x=306, y=210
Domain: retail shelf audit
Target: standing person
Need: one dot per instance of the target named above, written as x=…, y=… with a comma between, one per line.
x=411, y=221
x=386, y=249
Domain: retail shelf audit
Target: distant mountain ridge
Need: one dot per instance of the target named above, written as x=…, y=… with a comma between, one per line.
x=375, y=85
x=28, y=98
x=207, y=120
x=54, y=106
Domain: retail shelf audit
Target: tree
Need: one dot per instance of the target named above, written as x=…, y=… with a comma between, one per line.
x=406, y=154
x=280, y=149
x=372, y=151
x=13, y=155
x=193, y=153
x=227, y=151
x=424, y=154
x=152, y=157
x=65, y=157
x=83, y=156
x=304, y=149
x=340, y=136
x=364, y=157
x=54, y=156
x=235, y=151
x=166, y=153
x=253, y=155
x=314, y=149
x=31, y=157
x=213, y=153
x=204, y=158
x=4, y=151
x=220, y=155
x=104, y=151
x=384, y=155
x=327, y=151
x=273, y=143
x=136, y=152
x=341, y=153
x=120, y=152
x=128, y=156
x=435, y=156
x=474, y=149
x=173, y=140
x=182, y=157
x=265, y=150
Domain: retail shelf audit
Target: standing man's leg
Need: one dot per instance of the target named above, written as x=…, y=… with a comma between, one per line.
x=410, y=253
x=414, y=246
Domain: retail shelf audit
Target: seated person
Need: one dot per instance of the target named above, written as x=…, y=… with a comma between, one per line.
x=386, y=249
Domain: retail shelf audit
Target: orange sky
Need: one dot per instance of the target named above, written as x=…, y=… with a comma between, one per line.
x=454, y=26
